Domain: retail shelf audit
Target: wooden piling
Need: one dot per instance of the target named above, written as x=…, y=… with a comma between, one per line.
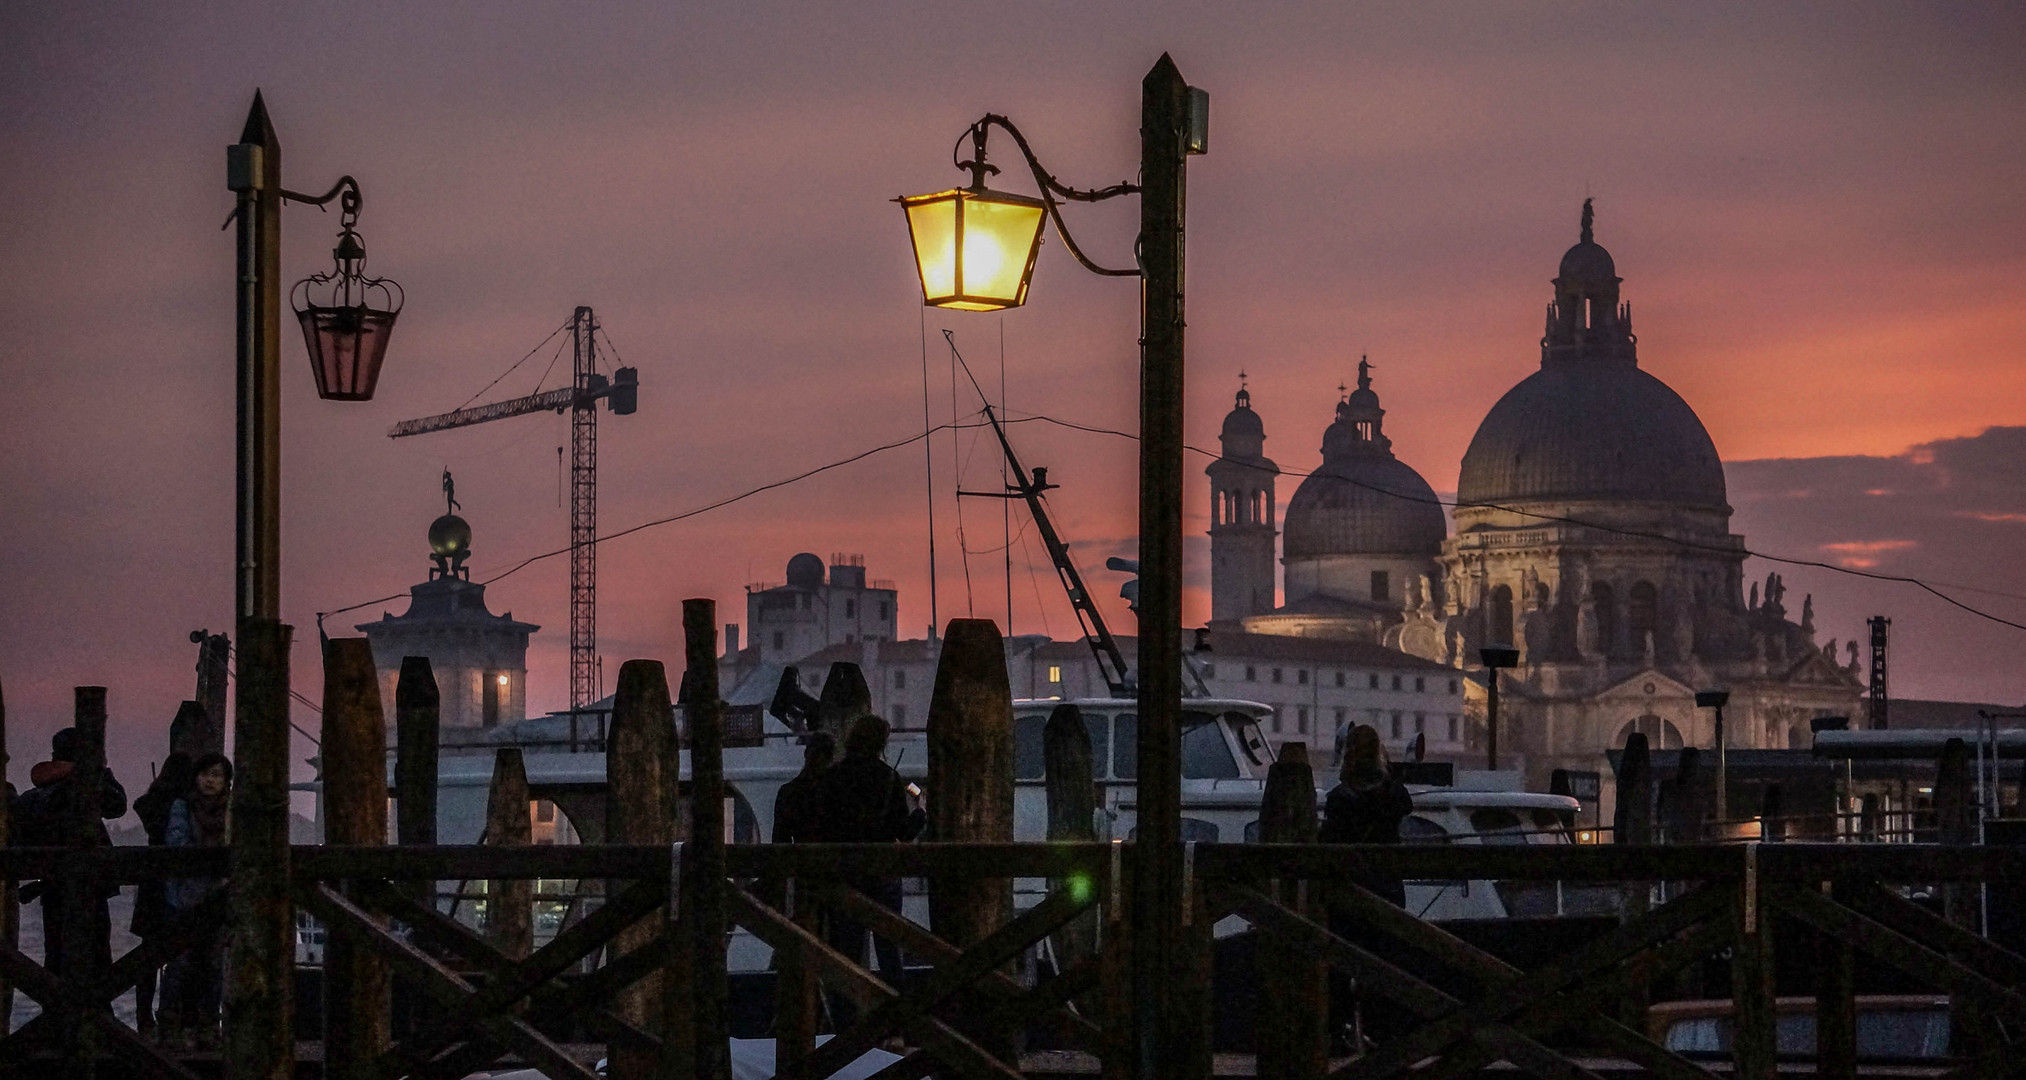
x=188, y=729
x=640, y=784
x=1632, y=823
x=10, y=911
x=354, y=755
x=214, y=659
x=1072, y=810
x=704, y=907
x=83, y=902
x=844, y=696
x=509, y=902
x=1293, y=1030
x=260, y=974
x=970, y=775
x=1752, y=1039
x=417, y=725
x=1835, y=1008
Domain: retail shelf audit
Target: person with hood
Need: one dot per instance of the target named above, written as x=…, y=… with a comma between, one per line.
x=795, y=812
x=195, y=981
x=862, y=800
x=1366, y=807
x=151, y=897
x=42, y=816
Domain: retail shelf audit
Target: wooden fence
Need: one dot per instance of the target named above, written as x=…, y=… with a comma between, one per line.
x=968, y=1017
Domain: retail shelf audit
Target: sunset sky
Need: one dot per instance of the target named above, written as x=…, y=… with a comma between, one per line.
x=1819, y=212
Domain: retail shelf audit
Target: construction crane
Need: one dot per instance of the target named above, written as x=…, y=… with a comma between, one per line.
x=621, y=394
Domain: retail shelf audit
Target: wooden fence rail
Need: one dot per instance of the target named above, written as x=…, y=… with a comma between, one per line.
x=968, y=1015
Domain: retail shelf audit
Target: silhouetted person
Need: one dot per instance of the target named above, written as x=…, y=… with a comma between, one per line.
x=43, y=817
x=795, y=810
x=1366, y=807
x=862, y=800
x=151, y=897
x=195, y=980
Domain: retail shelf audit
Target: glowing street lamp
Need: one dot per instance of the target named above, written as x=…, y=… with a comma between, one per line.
x=975, y=247
x=975, y=250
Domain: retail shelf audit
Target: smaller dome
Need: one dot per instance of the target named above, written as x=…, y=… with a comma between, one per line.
x=1588, y=261
x=1244, y=434
x=449, y=537
x=805, y=571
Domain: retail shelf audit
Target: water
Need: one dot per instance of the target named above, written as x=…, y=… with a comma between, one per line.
x=122, y=907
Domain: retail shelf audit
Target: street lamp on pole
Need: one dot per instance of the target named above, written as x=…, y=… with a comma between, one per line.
x=966, y=243
x=1496, y=658
x=346, y=335
x=1716, y=700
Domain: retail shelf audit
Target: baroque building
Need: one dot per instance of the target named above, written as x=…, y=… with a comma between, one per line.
x=1592, y=533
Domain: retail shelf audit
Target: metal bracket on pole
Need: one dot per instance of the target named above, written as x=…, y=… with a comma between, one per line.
x=675, y=880
x=1752, y=887
x=1188, y=882
x=1118, y=892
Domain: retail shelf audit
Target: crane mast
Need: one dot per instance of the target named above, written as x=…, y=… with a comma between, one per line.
x=580, y=398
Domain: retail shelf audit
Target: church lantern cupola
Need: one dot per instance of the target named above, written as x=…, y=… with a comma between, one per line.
x=1586, y=320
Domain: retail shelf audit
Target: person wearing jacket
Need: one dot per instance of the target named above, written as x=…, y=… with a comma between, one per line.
x=151, y=897
x=862, y=800
x=796, y=816
x=42, y=817
x=195, y=980
x=1366, y=807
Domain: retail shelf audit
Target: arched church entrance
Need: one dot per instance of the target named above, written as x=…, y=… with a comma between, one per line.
x=1660, y=734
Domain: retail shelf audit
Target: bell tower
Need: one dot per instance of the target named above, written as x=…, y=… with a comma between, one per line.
x=1242, y=516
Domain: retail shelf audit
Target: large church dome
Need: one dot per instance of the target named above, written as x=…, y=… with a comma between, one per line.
x=1363, y=501
x=1590, y=424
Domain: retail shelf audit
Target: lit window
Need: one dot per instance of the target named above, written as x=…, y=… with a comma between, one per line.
x=1054, y=674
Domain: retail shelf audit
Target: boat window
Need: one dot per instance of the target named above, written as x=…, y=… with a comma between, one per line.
x=1205, y=753
x=1125, y=747
x=1554, y=822
x=1415, y=829
x=1197, y=831
x=1497, y=825
x=1249, y=738
x=1028, y=757
x=1099, y=727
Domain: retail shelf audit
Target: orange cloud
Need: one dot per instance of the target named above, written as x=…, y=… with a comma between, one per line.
x=1859, y=554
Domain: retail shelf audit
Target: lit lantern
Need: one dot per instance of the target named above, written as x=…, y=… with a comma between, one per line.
x=975, y=247
x=346, y=317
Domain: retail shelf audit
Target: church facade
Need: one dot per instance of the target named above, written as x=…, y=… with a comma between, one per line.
x=1592, y=533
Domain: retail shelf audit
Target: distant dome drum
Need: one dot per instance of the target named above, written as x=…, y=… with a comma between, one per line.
x=1363, y=500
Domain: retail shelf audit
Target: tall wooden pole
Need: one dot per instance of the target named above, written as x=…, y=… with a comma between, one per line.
x=259, y=1005
x=704, y=907
x=354, y=754
x=81, y=927
x=1157, y=864
x=509, y=902
x=641, y=780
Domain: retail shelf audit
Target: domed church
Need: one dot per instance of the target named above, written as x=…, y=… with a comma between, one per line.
x=1592, y=533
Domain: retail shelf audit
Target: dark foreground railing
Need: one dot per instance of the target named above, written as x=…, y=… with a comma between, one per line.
x=625, y=974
